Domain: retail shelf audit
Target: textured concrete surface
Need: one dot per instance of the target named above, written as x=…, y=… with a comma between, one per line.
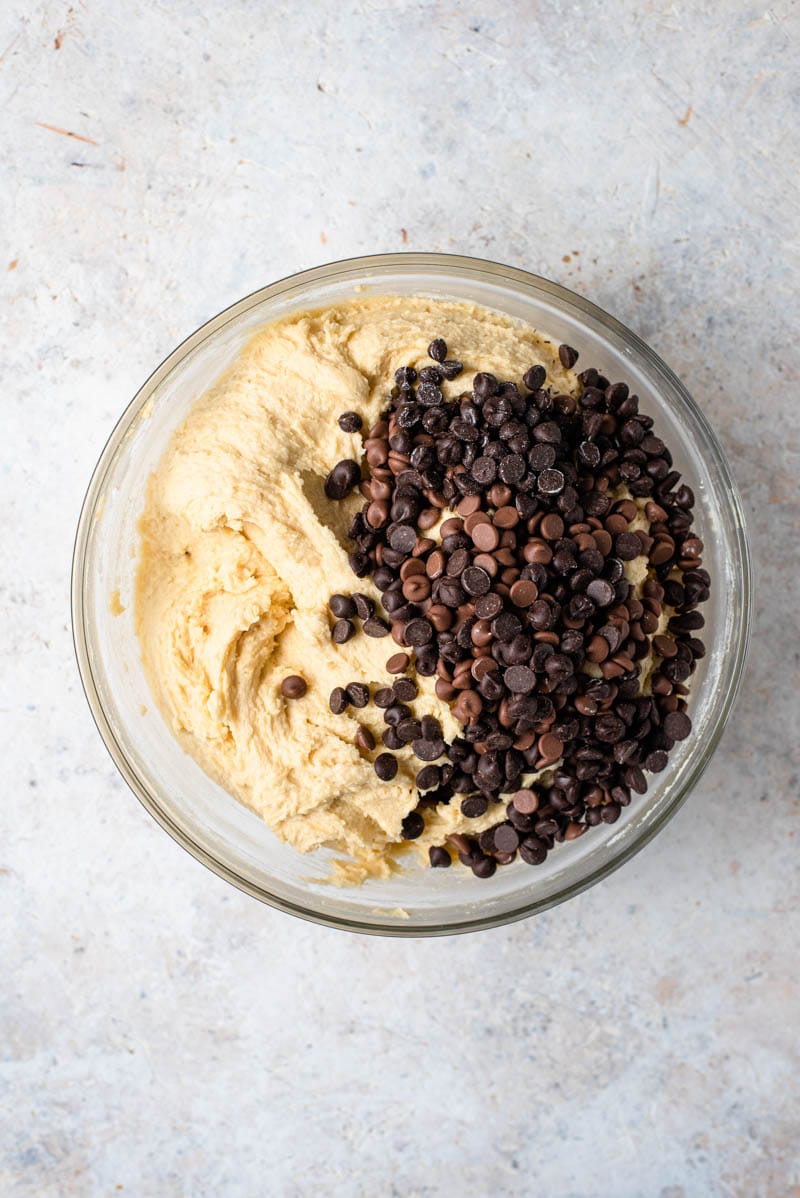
x=163, y=1034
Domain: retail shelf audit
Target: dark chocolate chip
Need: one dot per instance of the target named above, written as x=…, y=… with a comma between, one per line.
x=357, y=694
x=483, y=867
x=506, y=838
x=341, y=480
x=677, y=725
x=656, y=761
x=342, y=606
x=428, y=750
x=439, y=857
x=600, y=592
x=520, y=680
x=475, y=581
x=488, y=606
x=376, y=627
x=402, y=537
x=365, y=607
x=534, y=378
x=627, y=546
x=532, y=850
x=342, y=631
x=418, y=632
x=386, y=766
x=550, y=482
x=350, y=422
x=474, y=806
x=405, y=689
x=429, y=777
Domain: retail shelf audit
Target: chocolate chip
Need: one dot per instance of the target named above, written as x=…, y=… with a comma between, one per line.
x=342, y=606
x=364, y=606
x=523, y=592
x=350, y=422
x=506, y=838
x=342, y=631
x=600, y=592
x=359, y=564
x=627, y=546
x=506, y=517
x=664, y=646
x=526, y=802
x=677, y=725
x=534, y=378
x=294, y=687
x=512, y=469
x=484, y=470
x=542, y=457
x=341, y=480
x=386, y=766
x=364, y=739
x=475, y=581
x=483, y=867
x=484, y=384
x=458, y=562
x=428, y=750
x=402, y=537
x=418, y=632
x=398, y=663
x=474, y=806
x=533, y=479
x=488, y=606
x=451, y=593
x=439, y=857
x=357, y=694
x=429, y=777
x=375, y=627
x=429, y=394
x=609, y=814
x=408, y=730
x=438, y=349
x=520, y=680
x=550, y=482
x=405, y=689
x=567, y=356
x=532, y=850
x=431, y=728
x=395, y=713
x=338, y=700
x=608, y=728
x=485, y=537
x=656, y=761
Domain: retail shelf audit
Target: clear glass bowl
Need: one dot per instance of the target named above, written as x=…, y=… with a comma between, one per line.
x=205, y=819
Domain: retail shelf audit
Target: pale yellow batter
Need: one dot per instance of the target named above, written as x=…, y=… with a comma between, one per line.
x=241, y=550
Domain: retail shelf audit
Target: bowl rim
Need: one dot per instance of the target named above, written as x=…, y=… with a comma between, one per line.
x=405, y=261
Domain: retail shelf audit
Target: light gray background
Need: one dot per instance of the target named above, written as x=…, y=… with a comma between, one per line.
x=165, y=1035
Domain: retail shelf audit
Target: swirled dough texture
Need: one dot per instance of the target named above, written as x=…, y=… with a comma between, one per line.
x=241, y=550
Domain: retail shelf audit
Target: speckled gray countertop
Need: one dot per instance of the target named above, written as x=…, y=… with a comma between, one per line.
x=165, y=1035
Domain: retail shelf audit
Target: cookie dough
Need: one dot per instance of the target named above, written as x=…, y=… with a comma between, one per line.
x=241, y=550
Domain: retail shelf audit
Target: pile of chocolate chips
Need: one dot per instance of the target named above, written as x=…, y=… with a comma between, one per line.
x=521, y=608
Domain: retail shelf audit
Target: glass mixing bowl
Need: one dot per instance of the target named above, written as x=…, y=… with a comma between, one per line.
x=206, y=820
